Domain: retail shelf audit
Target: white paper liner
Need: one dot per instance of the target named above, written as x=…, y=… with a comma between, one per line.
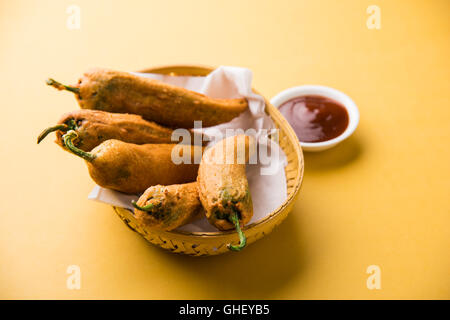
x=268, y=188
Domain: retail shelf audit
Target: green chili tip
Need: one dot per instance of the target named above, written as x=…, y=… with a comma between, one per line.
x=242, y=238
x=144, y=208
x=61, y=127
x=60, y=86
x=68, y=142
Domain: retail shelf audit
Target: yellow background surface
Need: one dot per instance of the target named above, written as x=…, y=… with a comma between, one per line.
x=380, y=198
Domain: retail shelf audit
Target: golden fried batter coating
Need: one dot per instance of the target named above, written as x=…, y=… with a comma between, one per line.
x=169, y=207
x=93, y=127
x=223, y=185
x=131, y=168
x=169, y=105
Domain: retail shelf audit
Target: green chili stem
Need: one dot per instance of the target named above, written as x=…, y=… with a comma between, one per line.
x=144, y=208
x=68, y=125
x=242, y=238
x=62, y=127
x=60, y=86
x=68, y=142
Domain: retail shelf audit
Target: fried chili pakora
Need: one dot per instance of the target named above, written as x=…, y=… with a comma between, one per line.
x=169, y=105
x=131, y=168
x=169, y=207
x=223, y=185
x=93, y=127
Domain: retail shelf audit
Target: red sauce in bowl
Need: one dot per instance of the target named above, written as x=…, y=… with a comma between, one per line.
x=315, y=118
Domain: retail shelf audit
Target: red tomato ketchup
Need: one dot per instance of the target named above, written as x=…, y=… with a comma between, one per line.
x=315, y=118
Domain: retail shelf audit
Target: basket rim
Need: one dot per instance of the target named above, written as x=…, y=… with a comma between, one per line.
x=290, y=133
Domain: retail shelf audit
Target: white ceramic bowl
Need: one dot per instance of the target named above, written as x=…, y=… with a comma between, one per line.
x=352, y=110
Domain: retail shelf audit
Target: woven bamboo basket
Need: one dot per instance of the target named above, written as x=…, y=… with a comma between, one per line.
x=213, y=243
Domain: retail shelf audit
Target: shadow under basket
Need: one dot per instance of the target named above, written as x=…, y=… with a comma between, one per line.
x=213, y=243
